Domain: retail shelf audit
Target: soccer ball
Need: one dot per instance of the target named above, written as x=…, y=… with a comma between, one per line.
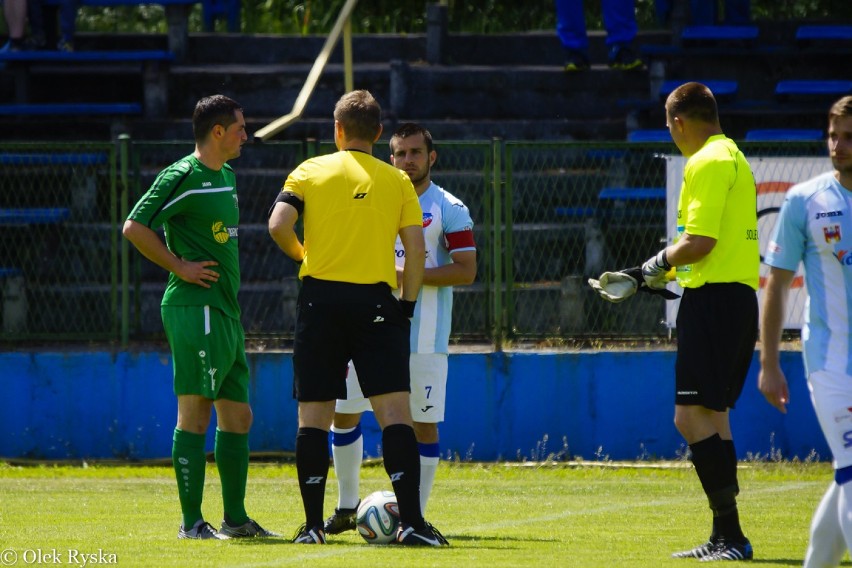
x=377, y=518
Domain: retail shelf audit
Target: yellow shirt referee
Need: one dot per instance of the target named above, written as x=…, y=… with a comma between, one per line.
x=354, y=206
x=717, y=261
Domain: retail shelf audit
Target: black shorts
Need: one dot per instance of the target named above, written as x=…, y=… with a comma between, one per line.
x=716, y=337
x=337, y=322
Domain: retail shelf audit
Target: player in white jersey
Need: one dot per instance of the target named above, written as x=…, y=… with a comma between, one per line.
x=815, y=227
x=450, y=261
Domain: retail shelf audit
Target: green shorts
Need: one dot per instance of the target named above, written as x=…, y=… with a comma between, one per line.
x=208, y=352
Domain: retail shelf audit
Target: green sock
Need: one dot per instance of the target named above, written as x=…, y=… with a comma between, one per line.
x=189, y=461
x=232, y=459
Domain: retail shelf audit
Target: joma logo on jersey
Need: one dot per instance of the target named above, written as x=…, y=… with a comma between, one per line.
x=207, y=184
x=824, y=214
x=359, y=196
x=832, y=233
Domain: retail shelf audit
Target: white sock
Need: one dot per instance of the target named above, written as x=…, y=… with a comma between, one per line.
x=827, y=545
x=429, y=460
x=844, y=504
x=347, y=464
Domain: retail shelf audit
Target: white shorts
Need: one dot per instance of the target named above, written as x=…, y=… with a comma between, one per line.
x=831, y=394
x=428, y=389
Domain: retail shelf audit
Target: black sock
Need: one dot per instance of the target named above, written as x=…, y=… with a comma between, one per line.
x=402, y=462
x=712, y=460
x=312, y=464
x=729, y=526
x=732, y=457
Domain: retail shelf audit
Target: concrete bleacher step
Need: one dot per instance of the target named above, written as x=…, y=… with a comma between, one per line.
x=610, y=127
x=504, y=85
x=265, y=73
x=461, y=92
x=515, y=49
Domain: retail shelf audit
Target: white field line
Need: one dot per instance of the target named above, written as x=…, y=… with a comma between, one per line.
x=617, y=506
x=322, y=552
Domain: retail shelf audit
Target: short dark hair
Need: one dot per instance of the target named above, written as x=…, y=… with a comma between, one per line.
x=694, y=101
x=360, y=115
x=841, y=109
x=411, y=129
x=213, y=110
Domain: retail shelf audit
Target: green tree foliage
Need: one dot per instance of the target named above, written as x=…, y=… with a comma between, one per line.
x=302, y=17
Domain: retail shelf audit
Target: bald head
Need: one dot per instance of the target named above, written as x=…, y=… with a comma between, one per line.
x=692, y=117
x=693, y=101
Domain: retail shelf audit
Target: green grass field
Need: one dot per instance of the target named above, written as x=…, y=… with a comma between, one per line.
x=493, y=515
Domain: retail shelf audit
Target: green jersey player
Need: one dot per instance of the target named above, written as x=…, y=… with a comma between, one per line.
x=195, y=201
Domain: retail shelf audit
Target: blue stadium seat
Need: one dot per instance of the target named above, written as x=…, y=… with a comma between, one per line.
x=42, y=109
x=641, y=208
x=632, y=193
x=576, y=213
x=719, y=33
x=33, y=216
x=649, y=135
x=721, y=89
x=92, y=56
x=811, y=88
x=52, y=158
x=824, y=33
x=781, y=134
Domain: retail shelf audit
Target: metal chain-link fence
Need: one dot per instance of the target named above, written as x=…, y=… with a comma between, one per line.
x=548, y=216
x=269, y=283
x=58, y=253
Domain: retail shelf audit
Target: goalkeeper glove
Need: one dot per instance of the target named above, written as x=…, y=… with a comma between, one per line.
x=618, y=286
x=615, y=287
x=654, y=270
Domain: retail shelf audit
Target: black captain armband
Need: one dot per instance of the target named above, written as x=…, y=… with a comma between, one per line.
x=288, y=198
x=408, y=307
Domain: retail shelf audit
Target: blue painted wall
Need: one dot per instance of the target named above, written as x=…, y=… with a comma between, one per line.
x=500, y=406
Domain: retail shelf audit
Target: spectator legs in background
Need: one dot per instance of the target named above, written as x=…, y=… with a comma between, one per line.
x=15, y=12
x=619, y=19
x=571, y=30
x=35, y=15
x=67, y=25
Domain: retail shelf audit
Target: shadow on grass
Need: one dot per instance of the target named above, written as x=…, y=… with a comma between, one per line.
x=258, y=541
x=785, y=562
x=463, y=538
x=451, y=538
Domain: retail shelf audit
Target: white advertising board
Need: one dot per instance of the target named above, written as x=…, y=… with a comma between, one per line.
x=773, y=176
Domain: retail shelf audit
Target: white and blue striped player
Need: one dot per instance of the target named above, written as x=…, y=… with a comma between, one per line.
x=450, y=261
x=815, y=227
